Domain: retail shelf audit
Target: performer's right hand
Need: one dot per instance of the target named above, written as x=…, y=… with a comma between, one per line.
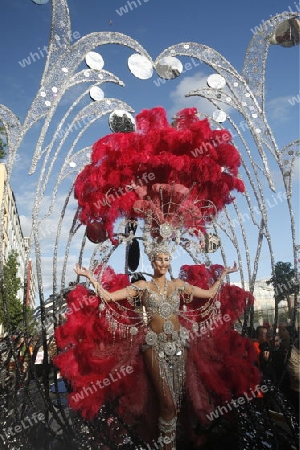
x=83, y=271
x=88, y=274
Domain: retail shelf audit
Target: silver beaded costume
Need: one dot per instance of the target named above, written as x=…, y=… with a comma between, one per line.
x=169, y=345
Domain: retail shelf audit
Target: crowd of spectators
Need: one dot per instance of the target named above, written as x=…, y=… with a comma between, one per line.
x=278, y=358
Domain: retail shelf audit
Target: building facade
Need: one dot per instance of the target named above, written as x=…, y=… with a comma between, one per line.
x=264, y=304
x=13, y=239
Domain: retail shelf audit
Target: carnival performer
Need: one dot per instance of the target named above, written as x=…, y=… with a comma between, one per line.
x=166, y=341
x=172, y=338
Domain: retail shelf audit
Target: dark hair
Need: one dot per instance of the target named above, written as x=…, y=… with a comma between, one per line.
x=136, y=277
x=257, y=331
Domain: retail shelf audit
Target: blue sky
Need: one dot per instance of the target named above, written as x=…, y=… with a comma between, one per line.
x=226, y=27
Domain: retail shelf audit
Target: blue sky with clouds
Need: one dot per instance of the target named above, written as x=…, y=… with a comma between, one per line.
x=226, y=27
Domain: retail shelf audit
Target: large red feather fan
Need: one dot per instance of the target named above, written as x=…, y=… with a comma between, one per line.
x=125, y=166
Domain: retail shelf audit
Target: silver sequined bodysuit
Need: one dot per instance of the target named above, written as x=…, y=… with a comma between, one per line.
x=169, y=345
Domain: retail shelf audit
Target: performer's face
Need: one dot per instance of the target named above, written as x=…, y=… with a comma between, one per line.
x=161, y=263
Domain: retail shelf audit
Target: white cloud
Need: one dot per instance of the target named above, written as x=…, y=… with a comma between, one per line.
x=26, y=224
x=47, y=273
x=278, y=108
x=296, y=172
x=47, y=232
x=67, y=259
x=187, y=85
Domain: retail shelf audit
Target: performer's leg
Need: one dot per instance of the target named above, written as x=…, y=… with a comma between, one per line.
x=167, y=410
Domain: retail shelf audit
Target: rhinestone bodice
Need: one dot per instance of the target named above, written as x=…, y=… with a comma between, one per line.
x=165, y=308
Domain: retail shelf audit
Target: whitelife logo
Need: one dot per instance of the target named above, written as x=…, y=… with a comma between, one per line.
x=235, y=403
x=101, y=384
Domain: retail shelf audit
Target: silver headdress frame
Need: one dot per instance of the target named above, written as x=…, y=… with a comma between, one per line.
x=58, y=157
x=170, y=221
x=243, y=92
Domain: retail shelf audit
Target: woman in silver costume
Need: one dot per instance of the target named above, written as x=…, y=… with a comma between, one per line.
x=166, y=340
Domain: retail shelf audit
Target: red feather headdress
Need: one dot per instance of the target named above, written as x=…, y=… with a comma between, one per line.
x=146, y=174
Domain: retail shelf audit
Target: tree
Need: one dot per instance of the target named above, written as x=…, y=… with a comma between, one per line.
x=285, y=283
x=11, y=309
x=2, y=141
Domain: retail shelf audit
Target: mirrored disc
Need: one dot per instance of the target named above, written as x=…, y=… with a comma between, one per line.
x=216, y=81
x=169, y=67
x=121, y=121
x=219, y=116
x=96, y=93
x=140, y=66
x=287, y=33
x=94, y=60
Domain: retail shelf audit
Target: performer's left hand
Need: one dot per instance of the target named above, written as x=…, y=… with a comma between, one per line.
x=232, y=269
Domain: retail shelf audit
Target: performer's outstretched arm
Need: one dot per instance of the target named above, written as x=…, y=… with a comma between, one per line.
x=115, y=296
x=195, y=291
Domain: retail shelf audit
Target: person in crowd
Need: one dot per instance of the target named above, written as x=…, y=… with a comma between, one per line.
x=293, y=368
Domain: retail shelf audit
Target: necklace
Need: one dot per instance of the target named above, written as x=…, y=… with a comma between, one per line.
x=162, y=294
